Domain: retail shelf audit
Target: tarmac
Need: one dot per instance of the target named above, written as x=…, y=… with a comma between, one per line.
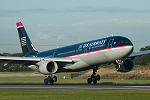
x=99, y=86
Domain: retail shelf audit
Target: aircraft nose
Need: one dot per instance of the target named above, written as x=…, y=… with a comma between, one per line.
x=132, y=47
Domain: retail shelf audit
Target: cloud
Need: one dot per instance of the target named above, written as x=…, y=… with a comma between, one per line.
x=111, y=21
x=49, y=25
x=48, y=37
x=11, y=12
x=89, y=9
x=60, y=37
x=43, y=36
x=105, y=9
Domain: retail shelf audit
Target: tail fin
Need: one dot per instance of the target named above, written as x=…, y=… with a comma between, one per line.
x=27, y=47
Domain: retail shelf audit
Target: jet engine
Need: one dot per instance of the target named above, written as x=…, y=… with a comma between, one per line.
x=125, y=66
x=48, y=67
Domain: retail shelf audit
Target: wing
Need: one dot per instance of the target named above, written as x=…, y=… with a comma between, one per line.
x=21, y=60
x=134, y=54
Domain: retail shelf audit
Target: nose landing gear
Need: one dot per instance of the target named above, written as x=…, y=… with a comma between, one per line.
x=94, y=78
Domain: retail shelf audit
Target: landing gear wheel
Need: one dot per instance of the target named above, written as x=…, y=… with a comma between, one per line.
x=94, y=78
x=98, y=77
x=89, y=80
x=55, y=79
x=50, y=80
x=46, y=81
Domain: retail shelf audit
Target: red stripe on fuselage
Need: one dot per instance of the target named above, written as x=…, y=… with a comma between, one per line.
x=98, y=50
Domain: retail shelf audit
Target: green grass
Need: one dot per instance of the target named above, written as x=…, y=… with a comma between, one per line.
x=24, y=79
x=126, y=81
x=39, y=79
x=72, y=94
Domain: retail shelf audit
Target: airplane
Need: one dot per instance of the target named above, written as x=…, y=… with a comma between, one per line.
x=77, y=57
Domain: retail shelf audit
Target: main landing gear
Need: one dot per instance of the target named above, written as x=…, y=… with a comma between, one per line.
x=50, y=80
x=94, y=78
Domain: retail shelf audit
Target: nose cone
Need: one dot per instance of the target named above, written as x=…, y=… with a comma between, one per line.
x=129, y=48
x=132, y=48
x=127, y=45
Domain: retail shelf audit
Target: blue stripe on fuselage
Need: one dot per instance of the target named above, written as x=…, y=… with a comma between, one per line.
x=85, y=47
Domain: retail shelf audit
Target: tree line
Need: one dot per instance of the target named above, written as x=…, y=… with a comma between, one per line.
x=11, y=67
x=143, y=59
x=139, y=60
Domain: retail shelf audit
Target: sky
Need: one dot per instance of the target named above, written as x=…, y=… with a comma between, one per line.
x=56, y=23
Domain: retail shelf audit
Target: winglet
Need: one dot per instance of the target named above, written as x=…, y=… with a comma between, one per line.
x=19, y=24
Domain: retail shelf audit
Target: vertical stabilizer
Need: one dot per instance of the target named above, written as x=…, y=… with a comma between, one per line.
x=27, y=47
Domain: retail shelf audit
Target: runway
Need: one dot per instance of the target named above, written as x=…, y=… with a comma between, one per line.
x=101, y=86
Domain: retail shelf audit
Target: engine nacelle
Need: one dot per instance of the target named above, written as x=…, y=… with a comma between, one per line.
x=48, y=67
x=125, y=66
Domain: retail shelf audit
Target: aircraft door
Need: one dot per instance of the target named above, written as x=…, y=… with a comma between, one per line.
x=110, y=43
x=85, y=50
x=54, y=54
x=109, y=52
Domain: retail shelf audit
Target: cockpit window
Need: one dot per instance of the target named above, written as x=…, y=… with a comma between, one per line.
x=126, y=41
x=123, y=41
